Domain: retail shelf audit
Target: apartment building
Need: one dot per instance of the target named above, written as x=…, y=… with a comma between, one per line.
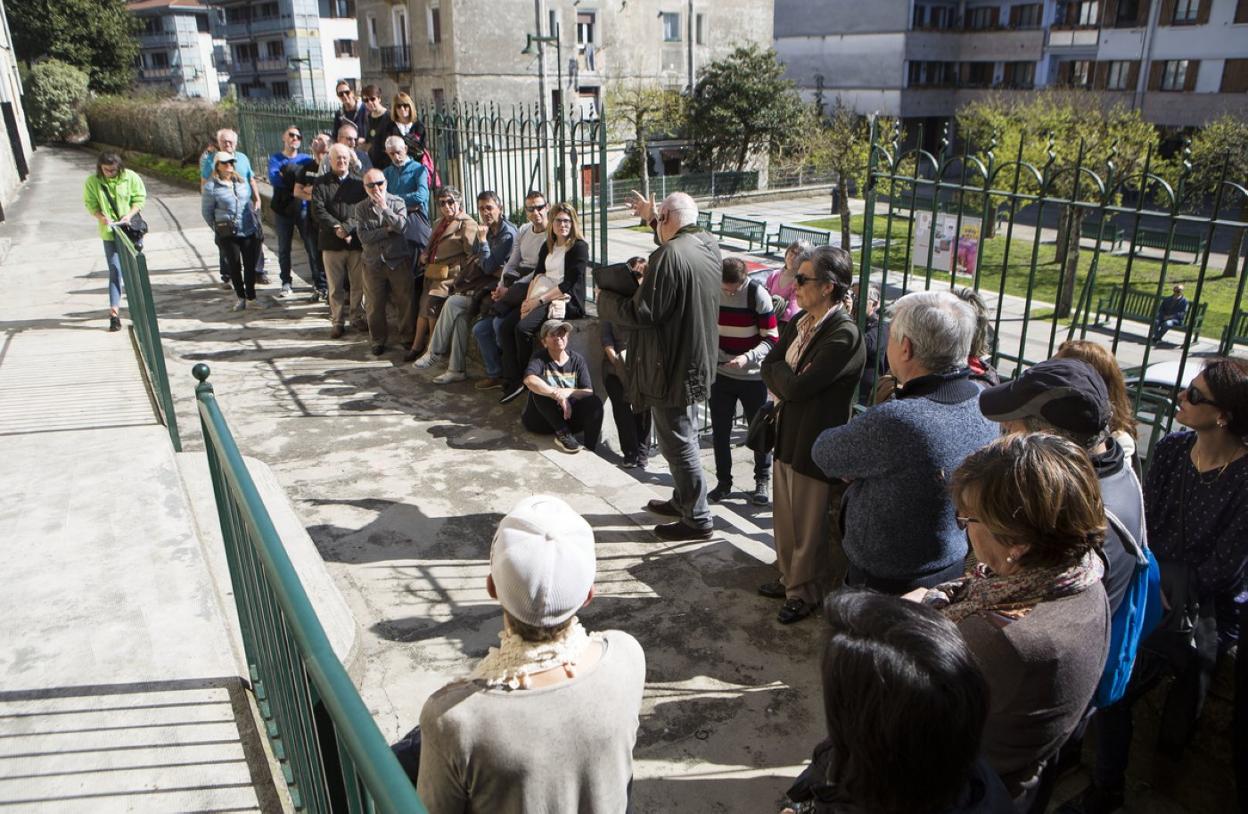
x=288, y=49
x=484, y=50
x=176, y=46
x=1180, y=62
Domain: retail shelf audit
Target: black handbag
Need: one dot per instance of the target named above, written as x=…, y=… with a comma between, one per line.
x=761, y=436
x=135, y=229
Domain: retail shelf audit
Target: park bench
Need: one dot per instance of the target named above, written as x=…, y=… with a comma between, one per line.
x=704, y=220
x=787, y=235
x=1141, y=306
x=1092, y=231
x=1156, y=239
x=751, y=231
x=1236, y=332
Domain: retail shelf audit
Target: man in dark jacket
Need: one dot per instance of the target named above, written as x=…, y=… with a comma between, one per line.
x=675, y=314
x=379, y=221
x=333, y=208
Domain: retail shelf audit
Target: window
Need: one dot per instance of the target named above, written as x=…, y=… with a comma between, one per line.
x=1186, y=12
x=1089, y=13
x=400, y=26
x=977, y=74
x=281, y=90
x=1027, y=15
x=982, y=17
x=152, y=25
x=699, y=29
x=1235, y=76
x=266, y=11
x=159, y=59
x=584, y=30
x=1019, y=75
x=201, y=23
x=1080, y=73
x=1128, y=14
x=1118, y=77
x=433, y=24
x=344, y=48
x=930, y=16
x=1241, y=12
x=671, y=26
x=238, y=14
x=342, y=8
x=372, y=32
x=274, y=49
x=246, y=52
x=931, y=74
x=1174, y=75
x=439, y=99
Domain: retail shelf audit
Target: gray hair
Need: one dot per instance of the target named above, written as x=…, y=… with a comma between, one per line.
x=395, y=142
x=449, y=192
x=799, y=246
x=939, y=326
x=983, y=326
x=831, y=265
x=224, y=130
x=681, y=209
x=873, y=293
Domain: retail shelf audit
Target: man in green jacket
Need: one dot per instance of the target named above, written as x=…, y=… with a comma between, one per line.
x=113, y=194
x=675, y=314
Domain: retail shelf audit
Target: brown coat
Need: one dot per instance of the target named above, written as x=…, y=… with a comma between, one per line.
x=453, y=248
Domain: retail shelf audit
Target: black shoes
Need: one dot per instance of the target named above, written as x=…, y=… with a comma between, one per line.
x=794, y=610
x=772, y=590
x=663, y=507
x=114, y=323
x=567, y=442
x=761, y=496
x=721, y=491
x=678, y=531
x=377, y=350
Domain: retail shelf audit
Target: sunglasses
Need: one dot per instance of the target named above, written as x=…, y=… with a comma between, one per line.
x=535, y=208
x=447, y=202
x=404, y=105
x=374, y=184
x=963, y=522
x=345, y=92
x=1196, y=398
x=802, y=279
x=371, y=99
x=229, y=161
x=294, y=135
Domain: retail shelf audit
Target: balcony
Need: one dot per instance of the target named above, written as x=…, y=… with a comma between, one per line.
x=973, y=46
x=276, y=65
x=395, y=58
x=246, y=29
x=156, y=74
x=1073, y=37
x=158, y=39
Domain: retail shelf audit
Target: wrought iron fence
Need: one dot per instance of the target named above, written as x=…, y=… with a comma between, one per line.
x=147, y=329
x=974, y=219
x=332, y=754
x=477, y=148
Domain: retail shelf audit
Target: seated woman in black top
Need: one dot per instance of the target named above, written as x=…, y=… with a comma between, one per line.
x=561, y=396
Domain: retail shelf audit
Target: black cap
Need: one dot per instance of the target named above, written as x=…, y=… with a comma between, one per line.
x=1067, y=393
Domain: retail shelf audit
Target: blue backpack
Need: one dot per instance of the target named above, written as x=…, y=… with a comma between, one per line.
x=1137, y=617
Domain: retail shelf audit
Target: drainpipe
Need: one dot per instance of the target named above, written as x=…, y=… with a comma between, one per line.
x=1146, y=56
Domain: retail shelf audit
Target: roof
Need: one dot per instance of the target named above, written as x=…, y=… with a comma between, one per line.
x=158, y=5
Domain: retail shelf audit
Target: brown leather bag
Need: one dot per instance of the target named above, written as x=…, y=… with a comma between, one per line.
x=471, y=278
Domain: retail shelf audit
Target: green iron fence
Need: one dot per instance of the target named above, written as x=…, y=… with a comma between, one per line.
x=1117, y=208
x=147, y=329
x=476, y=148
x=332, y=755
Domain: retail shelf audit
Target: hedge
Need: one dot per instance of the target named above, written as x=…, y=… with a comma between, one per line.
x=171, y=127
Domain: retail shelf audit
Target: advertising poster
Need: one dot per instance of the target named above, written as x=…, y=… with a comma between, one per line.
x=951, y=250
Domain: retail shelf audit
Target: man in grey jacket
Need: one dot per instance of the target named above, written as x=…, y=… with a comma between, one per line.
x=675, y=315
x=379, y=222
x=334, y=197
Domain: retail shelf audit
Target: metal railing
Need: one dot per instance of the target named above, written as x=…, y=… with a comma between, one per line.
x=332, y=754
x=1023, y=201
x=147, y=329
x=699, y=185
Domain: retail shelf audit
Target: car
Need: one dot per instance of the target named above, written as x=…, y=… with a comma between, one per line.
x=1155, y=388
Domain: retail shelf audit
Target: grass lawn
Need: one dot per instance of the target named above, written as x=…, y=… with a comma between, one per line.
x=1218, y=292
x=856, y=223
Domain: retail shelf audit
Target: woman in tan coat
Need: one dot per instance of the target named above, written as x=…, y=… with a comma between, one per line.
x=450, y=244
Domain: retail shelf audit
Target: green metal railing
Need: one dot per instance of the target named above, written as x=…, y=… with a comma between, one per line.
x=147, y=329
x=332, y=754
x=1015, y=197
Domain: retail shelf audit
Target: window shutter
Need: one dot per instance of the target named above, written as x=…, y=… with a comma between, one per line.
x=1189, y=81
x=1241, y=11
x=1235, y=76
x=994, y=19
x=1167, y=13
x=1133, y=74
x=1109, y=13
x=1155, y=72
x=1202, y=12
x=1100, y=75
x=1065, y=70
x=1141, y=16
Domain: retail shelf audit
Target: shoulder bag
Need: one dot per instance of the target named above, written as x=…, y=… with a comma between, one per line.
x=135, y=229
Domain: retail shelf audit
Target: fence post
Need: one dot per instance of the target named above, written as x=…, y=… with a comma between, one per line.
x=712, y=183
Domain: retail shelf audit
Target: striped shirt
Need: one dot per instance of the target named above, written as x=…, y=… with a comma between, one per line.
x=747, y=326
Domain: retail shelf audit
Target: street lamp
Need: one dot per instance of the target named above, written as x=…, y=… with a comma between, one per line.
x=291, y=62
x=537, y=39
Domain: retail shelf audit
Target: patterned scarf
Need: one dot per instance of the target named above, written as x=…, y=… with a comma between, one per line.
x=1013, y=596
x=514, y=660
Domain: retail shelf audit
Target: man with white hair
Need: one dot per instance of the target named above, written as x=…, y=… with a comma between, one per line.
x=547, y=721
x=675, y=314
x=333, y=208
x=900, y=529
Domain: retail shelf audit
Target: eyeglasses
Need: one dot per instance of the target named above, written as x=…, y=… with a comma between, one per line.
x=447, y=202
x=563, y=221
x=404, y=104
x=963, y=522
x=226, y=161
x=1197, y=398
x=535, y=208
x=374, y=184
x=371, y=99
x=295, y=136
x=345, y=92
x=802, y=279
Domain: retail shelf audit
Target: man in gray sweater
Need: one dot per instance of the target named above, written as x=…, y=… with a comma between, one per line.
x=899, y=525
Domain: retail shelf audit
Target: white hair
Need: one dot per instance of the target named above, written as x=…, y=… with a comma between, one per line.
x=680, y=209
x=224, y=131
x=395, y=142
x=940, y=328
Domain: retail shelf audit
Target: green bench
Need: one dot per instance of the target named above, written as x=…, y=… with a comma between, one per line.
x=1156, y=239
x=1236, y=333
x=704, y=220
x=751, y=231
x=1141, y=306
x=1113, y=234
x=788, y=235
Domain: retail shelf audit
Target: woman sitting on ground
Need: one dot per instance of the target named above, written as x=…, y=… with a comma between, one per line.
x=450, y=244
x=553, y=293
x=561, y=395
x=1033, y=610
x=226, y=207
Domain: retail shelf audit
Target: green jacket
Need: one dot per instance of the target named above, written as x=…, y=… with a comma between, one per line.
x=127, y=190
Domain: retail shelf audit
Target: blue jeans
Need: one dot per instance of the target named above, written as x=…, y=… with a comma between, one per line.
x=1161, y=326
x=486, y=332
x=113, y=258
x=286, y=227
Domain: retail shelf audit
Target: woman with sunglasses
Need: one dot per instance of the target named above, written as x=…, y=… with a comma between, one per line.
x=403, y=124
x=451, y=243
x=227, y=209
x=813, y=371
x=1196, y=506
x=288, y=170
x=1033, y=610
x=377, y=125
x=553, y=293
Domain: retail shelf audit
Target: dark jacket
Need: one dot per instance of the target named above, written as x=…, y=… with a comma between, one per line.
x=381, y=234
x=574, y=264
x=358, y=117
x=820, y=394
x=333, y=204
x=375, y=133
x=676, y=317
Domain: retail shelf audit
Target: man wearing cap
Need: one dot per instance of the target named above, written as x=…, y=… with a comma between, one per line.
x=548, y=720
x=1170, y=314
x=1067, y=397
x=561, y=395
x=380, y=220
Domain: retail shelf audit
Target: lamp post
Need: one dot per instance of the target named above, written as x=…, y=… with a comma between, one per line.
x=537, y=39
x=293, y=61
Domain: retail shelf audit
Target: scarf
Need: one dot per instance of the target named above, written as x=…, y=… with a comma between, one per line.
x=983, y=591
x=806, y=328
x=514, y=660
x=438, y=231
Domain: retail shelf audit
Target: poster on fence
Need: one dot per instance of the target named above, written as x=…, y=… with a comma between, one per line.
x=952, y=249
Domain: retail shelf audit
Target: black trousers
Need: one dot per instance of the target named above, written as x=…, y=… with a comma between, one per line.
x=516, y=346
x=240, y=255
x=542, y=415
x=633, y=427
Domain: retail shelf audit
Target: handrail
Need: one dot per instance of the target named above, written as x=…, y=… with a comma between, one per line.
x=292, y=663
x=146, y=328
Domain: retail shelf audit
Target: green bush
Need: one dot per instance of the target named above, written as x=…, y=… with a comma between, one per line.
x=175, y=128
x=54, y=100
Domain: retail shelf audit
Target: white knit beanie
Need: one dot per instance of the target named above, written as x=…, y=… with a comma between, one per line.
x=542, y=561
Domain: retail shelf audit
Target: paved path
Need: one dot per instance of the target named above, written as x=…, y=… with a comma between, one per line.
x=118, y=685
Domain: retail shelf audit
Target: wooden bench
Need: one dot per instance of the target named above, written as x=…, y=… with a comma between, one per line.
x=1092, y=231
x=1236, y=333
x=788, y=235
x=1141, y=306
x=704, y=220
x=1156, y=239
x=751, y=231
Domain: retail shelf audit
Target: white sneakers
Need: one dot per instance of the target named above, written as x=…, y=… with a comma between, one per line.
x=428, y=360
x=286, y=291
x=450, y=377
x=241, y=305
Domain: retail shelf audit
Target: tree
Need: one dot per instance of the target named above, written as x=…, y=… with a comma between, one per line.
x=638, y=109
x=1224, y=141
x=55, y=95
x=742, y=107
x=98, y=36
x=1074, y=119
